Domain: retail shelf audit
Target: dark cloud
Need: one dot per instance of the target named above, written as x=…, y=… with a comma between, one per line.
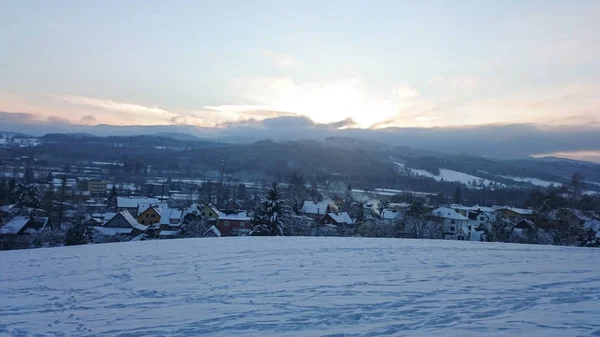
x=57, y=120
x=88, y=118
x=346, y=123
x=15, y=117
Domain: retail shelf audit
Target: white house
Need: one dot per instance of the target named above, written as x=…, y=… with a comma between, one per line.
x=451, y=220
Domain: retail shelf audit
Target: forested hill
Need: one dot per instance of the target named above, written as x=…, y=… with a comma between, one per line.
x=361, y=162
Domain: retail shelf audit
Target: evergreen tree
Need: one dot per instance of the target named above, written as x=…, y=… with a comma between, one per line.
x=269, y=216
x=315, y=195
x=241, y=193
x=416, y=209
x=27, y=196
x=28, y=176
x=78, y=235
x=10, y=190
x=383, y=204
x=3, y=192
x=112, y=199
x=458, y=195
x=48, y=200
x=578, y=184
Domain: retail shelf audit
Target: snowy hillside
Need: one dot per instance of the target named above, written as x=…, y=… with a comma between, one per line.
x=300, y=287
x=449, y=175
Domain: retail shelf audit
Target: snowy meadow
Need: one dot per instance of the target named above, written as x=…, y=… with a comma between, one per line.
x=279, y=286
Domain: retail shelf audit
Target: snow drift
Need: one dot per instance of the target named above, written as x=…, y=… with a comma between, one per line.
x=300, y=287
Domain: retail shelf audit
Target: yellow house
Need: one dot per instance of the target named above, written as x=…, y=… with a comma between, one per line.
x=210, y=212
x=150, y=216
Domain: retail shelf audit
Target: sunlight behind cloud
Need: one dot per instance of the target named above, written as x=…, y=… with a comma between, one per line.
x=327, y=102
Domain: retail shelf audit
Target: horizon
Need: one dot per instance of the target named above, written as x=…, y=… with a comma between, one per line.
x=343, y=67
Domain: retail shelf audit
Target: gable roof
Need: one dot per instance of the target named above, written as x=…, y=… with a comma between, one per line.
x=448, y=213
x=15, y=225
x=133, y=202
x=234, y=216
x=213, y=229
x=142, y=208
x=129, y=219
x=312, y=207
x=341, y=218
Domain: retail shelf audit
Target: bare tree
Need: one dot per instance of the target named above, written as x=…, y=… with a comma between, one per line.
x=421, y=228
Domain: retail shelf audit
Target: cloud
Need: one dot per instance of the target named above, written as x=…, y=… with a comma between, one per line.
x=88, y=118
x=467, y=83
x=282, y=60
x=115, y=105
x=57, y=120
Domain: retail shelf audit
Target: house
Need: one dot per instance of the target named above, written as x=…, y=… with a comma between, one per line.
x=479, y=218
x=170, y=223
x=212, y=232
x=337, y=219
x=131, y=204
x=316, y=210
x=150, y=216
x=468, y=233
x=450, y=219
x=210, y=212
x=233, y=223
x=390, y=215
x=525, y=231
x=123, y=223
x=513, y=214
x=19, y=231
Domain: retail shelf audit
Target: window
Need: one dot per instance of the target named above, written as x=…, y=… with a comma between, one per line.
x=226, y=223
x=153, y=215
x=147, y=215
x=482, y=218
x=452, y=229
x=210, y=214
x=203, y=213
x=242, y=224
x=143, y=222
x=453, y=221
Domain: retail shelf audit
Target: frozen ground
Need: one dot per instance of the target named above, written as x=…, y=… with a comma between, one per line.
x=300, y=287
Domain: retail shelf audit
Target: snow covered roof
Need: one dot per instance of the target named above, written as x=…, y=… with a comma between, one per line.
x=312, y=207
x=448, y=213
x=521, y=211
x=7, y=208
x=168, y=233
x=110, y=231
x=144, y=207
x=593, y=225
x=388, y=214
x=132, y=221
x=213, y=229
x=342, y=217
x=15, y=225
x=133, y=202
x=235, y=216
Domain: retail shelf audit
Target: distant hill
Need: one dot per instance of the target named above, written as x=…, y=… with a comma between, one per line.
x=176, y=136
x=363, y=162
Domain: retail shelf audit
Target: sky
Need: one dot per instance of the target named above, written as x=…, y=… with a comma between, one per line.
x=372, y=65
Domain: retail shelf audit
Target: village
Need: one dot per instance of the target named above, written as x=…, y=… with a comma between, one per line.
x=91, y=210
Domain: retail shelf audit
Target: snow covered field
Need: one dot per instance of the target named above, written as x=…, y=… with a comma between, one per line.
x=300, y=287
